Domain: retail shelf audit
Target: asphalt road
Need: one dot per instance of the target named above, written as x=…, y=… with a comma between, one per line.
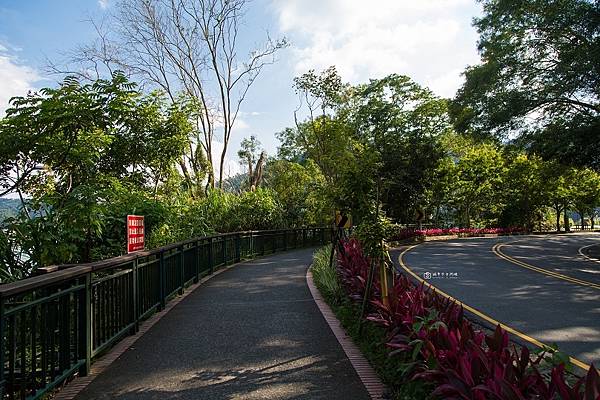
x=545, y=289
x=252, y=332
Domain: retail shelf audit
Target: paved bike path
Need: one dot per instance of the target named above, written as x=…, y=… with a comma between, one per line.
x=252, y=332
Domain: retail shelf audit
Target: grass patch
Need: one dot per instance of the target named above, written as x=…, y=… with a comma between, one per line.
x=371, y=341
x=325, y=276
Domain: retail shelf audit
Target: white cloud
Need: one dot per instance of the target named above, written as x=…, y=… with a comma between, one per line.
x=103, y=4
x=240, y=125
x=16, y=79
x=250, y=113
x=430, y=40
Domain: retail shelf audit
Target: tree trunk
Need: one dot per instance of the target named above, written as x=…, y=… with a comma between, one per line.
x=566, y=217
x=258, y=172
x=581, y=220
x=250, y=172
x=557, y=219
x=221, y=165
x=210, y=181
x=187, y=177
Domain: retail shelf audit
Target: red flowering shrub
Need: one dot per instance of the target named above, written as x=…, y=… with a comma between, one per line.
x=443, y=347
x=407, y=233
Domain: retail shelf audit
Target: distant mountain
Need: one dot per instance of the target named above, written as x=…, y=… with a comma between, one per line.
x=9, y=208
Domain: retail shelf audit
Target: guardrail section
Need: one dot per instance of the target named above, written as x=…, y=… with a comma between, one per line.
x=53, y=326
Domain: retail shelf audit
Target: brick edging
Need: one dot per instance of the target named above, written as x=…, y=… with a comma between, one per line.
x=73, y=388
x=376, y=389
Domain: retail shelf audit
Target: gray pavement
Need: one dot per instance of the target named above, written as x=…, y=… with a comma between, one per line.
x=252, y=332
x=558, y=253
x=541, y=306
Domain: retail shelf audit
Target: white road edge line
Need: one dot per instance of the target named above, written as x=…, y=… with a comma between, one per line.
x=580, y=251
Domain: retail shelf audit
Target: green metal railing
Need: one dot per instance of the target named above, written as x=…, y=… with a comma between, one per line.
x=52, y=326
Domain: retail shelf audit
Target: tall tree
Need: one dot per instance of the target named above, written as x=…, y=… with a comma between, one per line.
x=302, y=191
x=540, y=70
x=400, y=122
x=524, y=191
x=558, y=181
x=586, y=193
x=68, y=151
x=191, y=46
x=480, y=171
x=253, y=156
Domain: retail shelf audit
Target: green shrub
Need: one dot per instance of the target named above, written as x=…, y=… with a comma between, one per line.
x=325, y=276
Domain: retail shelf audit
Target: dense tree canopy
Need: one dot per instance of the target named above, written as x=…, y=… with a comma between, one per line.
x=540, y=77
x=391, y=141
x=517, y=147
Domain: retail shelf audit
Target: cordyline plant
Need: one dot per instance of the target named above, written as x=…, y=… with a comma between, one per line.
x=442, y=347
x=399, y=234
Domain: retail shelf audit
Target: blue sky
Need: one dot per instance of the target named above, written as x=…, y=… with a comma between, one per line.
x=430, y=40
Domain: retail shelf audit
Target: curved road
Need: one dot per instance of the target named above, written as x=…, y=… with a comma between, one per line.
x=539, y=286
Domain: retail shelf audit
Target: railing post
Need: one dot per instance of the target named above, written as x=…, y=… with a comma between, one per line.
x=136, y=296
x=181, y=268
x=285, y=234
x=197, y=263
x=161, y=270
x=211, y=258
x=238, y=247
x=85, y=325
x=224, y=249
x=262, y=244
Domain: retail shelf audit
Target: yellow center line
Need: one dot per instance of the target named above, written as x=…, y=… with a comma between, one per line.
x=485, y=317
x=496, y=249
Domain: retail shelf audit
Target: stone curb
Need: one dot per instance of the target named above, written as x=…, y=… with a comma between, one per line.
x=376, y=389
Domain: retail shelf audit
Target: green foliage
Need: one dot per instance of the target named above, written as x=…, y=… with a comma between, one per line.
x=218, y=212
x=382, y=133
x=479, y=174
x=399, y=123
x=372, y=233
x=585, y=191
x=227, y=212
x=79, y=133
x=325, y=275
x=390, y=141
x=84, y=156
x=10, y=267
x=539, y=77
x=253, y=211
x=371, y=342
x=325, y=140
x=486, y=184
x=325, y=90
x=302, y=192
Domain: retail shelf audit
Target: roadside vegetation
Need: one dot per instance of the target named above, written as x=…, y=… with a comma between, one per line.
x=422, y=345
x=80, y=156
x=517, y=150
